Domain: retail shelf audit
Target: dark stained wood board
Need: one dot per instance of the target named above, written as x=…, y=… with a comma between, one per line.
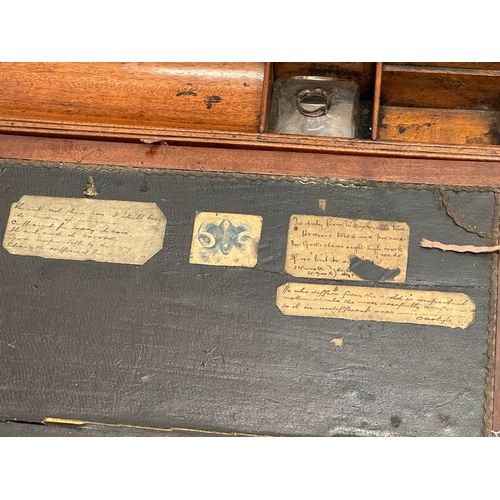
x=173, y=344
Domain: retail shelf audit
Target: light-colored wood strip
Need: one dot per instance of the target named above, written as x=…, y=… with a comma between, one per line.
x=267, y=88
x=376, y=101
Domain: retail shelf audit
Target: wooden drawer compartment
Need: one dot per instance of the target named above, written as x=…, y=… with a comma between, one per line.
x=440, y=103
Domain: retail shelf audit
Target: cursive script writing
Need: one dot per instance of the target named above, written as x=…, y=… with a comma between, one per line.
x=347, y=249
x=424, y=307
x=81, y=229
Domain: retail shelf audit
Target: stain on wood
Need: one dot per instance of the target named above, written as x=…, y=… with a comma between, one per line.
x=210, y=100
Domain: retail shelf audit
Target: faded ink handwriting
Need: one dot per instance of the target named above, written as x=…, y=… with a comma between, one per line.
x=454, y=310
x=347, y=249
x=82, y=229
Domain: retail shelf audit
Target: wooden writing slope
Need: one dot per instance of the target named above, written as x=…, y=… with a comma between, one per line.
x=169, y=267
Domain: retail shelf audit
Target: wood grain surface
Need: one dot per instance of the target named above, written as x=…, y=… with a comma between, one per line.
x=337, y=166
x=439, y=126
x=436, y=87
x=174, y=344
x=200, y=96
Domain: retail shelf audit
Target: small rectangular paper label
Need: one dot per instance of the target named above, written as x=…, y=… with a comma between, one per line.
x=122, y=232
x=221, y=239
x=422, y=307
x=347, y=249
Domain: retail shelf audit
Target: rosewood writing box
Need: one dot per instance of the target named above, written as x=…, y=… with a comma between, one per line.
x=170, y=267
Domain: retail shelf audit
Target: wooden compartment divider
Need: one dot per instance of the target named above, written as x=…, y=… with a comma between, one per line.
x=430, y=104
x=376, y=101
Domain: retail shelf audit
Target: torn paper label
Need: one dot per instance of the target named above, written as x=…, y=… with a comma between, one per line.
x=121, y=232
x=347, y=249
x=221, y=239
x=422, y=307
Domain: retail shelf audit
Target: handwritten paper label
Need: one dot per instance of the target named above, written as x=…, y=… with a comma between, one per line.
x=225, y=239
x=454, y=310
x=347, y=249
x=125, y=232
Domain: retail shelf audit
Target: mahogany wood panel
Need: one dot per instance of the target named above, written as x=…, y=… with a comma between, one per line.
x=440, y=88
x=342, y=166
x=202, y=96
x=439, y=126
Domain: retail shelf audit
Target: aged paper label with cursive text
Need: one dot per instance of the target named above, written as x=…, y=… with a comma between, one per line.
x=125, y=232
x=347, y=249
x=422, y=307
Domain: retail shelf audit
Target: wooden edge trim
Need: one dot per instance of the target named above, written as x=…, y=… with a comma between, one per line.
x=277, y=163
x=266, y=97
x=376, y=100
x=441, y=70
x=264, y=141
x=496, y=382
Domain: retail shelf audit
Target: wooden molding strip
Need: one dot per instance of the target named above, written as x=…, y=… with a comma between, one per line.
x=335, y=166
x=264, y=141
x=441, y=70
